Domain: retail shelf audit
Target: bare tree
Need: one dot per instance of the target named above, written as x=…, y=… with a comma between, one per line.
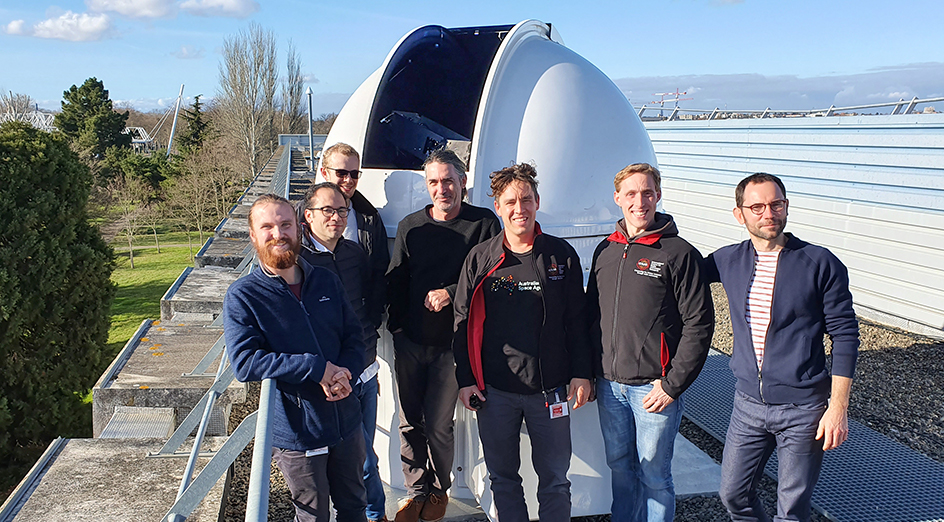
x=16, y=106
x=322, y=124
x=293, y=118
x=153, y=216
x=129, y=195
x=191, y=197
x=247, y=96
x=205, y=189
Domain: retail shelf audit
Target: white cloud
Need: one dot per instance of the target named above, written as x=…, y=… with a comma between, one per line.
x=188, y=53
x=228, y=8
x=15, y=27
x=134, y=8
x=155, y=104
x=310, y=78
x=755, y=91
x=74, y=27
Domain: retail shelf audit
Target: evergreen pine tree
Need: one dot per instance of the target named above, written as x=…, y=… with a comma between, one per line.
x=55, y=291
x=198, y=129
x=89, y=120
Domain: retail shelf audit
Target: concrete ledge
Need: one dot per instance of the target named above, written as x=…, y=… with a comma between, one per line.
x=148, y=373
x=223, y=252
x=198, y=291
x=110, y=479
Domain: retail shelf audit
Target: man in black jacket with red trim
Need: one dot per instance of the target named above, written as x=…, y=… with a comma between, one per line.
x=520, y=341
x=651, y=321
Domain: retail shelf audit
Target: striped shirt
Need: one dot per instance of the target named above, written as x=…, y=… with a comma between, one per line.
x=759, y=297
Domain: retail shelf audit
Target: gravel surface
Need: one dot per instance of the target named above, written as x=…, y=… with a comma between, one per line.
x=898, y=391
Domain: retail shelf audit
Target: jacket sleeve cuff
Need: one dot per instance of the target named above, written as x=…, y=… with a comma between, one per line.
x=844, y=364
x=451, y=290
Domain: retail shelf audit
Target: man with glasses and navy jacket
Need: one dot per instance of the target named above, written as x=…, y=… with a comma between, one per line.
x=784, y=295
x=340, y=164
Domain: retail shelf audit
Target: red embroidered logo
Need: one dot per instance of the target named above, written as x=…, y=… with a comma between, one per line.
x=642, y=264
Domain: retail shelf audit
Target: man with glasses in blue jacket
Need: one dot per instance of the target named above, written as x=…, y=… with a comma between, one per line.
x=784, y=295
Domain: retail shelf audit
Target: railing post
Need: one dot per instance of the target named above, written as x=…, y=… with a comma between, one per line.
x=911, y=106
x=257, y=501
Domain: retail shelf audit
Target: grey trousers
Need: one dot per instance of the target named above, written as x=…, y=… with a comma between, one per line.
x=426, y=383
x=499, y=428
x=339, y=473
x=755, y=430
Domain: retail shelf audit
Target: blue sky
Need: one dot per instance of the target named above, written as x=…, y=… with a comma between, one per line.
x=744, y=54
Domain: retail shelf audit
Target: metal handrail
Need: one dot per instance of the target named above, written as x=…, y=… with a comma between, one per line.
x=201, y=432
x=176, y=440
x=257, y=501
x=192, y=492
x=21, y=494
x=901, y=106
x=211, y=473
x=280, y=178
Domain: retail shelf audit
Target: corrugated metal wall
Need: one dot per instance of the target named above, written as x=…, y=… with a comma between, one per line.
x=869, y=188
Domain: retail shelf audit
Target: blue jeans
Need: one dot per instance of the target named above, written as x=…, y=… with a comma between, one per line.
x=500, y=431
x=367, y=394
x=753, y=433
x=639, y=447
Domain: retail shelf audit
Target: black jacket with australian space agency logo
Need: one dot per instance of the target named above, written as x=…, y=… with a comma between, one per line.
x=650, y=310
x=564, y=351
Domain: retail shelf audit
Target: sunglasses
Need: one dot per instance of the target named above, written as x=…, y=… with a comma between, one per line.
x=354, y=174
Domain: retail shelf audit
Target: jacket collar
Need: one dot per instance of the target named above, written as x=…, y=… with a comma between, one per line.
x=312, y=245
x=793, y=243
x=663, y=225
x=271, y=279
x=361, y=205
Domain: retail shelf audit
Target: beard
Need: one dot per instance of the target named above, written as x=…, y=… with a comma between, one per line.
x=272, y=257
x=768, y=234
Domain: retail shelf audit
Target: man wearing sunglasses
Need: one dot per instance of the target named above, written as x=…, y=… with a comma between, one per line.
x=340, y=165
x=784, y=294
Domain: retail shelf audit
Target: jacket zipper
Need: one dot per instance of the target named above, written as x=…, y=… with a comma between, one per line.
x=760, y=373
x=337, y=416
x=543, y=279
x=616, y=301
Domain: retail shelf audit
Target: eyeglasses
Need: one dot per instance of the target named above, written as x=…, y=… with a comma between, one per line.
x=354, y=174
x=776, y=206
x=330, y=211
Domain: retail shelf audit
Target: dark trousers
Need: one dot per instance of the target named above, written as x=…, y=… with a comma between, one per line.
x=500, y=429
x=426, y=382
x=338, y=474
x=755, y=430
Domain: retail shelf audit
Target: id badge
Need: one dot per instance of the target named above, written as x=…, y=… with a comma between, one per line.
x=558, y=408
x=316, y=452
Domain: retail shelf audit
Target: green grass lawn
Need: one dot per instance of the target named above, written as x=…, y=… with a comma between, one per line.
x=145, y=239
x=138, y=296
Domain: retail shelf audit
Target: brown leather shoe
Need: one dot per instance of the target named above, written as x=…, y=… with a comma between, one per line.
x=409, y=510
x=435, y=508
